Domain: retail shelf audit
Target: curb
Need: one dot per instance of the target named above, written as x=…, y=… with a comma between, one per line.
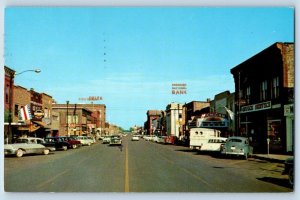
x=268, y=159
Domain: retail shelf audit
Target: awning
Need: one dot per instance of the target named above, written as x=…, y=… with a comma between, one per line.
x=28, y=128
x=42, y=124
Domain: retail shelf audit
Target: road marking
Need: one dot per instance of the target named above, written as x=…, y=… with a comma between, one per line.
x=126, y=170
x=51, y=179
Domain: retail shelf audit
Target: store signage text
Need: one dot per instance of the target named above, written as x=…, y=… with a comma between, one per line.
x=256, y=107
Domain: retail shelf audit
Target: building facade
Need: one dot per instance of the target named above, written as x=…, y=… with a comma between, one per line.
x=73, y=119
x=151, y=124
x=174, y=120
x=264, y=96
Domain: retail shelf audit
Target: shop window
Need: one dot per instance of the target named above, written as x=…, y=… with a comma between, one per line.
x=274, y=134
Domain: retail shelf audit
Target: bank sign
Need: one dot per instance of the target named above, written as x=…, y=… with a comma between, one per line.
x=256, y=107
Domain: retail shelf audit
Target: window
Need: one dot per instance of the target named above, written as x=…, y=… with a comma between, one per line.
x=7, y=94
x=275, y=87
x=263, y=90
x=16, y=110
x=248, y=93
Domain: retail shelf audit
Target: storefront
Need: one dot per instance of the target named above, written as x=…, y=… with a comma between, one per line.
x=264, y=125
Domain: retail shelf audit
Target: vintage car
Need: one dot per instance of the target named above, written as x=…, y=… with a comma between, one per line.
x=59, y=143
x=106, y=139
x=135, y=138
x=73, y=143
x=28, y=145
x=289, y=169
x=115, y=140
x=238, y=146
x=84, y=140
x=161, y=139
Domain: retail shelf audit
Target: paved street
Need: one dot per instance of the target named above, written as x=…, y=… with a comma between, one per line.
x=140, y=166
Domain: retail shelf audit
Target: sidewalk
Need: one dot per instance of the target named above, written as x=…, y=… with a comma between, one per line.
x=272, y=157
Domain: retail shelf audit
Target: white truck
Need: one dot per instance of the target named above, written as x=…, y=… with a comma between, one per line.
x=201, y=136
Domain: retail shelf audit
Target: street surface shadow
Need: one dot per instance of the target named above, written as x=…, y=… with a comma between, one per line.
x=187, y=151
x=277, y=181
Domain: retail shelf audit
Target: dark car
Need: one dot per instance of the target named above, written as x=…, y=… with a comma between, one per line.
x=59, y=143
x=72, y=141
x=289, y=169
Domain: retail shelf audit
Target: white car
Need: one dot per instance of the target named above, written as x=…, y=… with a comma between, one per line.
x=148, y=137
x=84, y=140
x=135, y=138
x=161, y=139
x=106, y=139
x=213, y=144
x=26, y=146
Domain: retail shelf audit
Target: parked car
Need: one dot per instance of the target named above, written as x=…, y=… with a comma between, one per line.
x=84, y=140
x=25, y=146
x=92, y=139
x=115, y=140
x=135, y=138
x=106, y=139
x=72, y=141
x=59, y=143
x=238, y=146
x=148, y=137
x=155, y=138
x=289, y=169
x=161, y=139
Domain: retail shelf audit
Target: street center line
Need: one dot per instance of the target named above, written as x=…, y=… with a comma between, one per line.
x=126, y=170
x=51, y=179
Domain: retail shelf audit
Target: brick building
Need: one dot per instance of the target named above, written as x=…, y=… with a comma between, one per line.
x=8, y=102
x=264, y=92
x=153, y=117
x=73, y=119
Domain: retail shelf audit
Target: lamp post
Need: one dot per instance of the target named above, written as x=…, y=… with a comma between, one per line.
x=68, y=118
x=11, y=78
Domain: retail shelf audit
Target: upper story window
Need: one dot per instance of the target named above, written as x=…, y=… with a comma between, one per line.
x=7, y=94
x=275, y=87
x=248, y=93
x=263, y=90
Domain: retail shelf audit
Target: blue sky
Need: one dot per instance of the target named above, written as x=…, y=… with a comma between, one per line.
x=131, y=56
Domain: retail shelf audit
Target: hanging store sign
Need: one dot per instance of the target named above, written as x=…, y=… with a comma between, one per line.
x=256, y=107
x=212, y=120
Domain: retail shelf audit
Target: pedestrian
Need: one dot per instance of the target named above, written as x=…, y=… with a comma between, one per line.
x=121, y=147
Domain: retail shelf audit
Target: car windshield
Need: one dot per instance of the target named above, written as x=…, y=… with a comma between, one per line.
x=235, y=140
x=21, y=141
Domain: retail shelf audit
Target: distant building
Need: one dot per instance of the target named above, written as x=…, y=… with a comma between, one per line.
x=174, y=119
x=264, y=96
x=153, y=118
x=73, y=119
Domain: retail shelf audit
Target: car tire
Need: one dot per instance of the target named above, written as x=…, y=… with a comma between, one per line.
x=291, y=176
x=89, y=144
x=74, y=146
x=46, y=151
x=65, y=148
x=19, y=153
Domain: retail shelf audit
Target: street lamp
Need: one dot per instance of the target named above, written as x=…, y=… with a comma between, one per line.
x=68, y=118
x=11, y=77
